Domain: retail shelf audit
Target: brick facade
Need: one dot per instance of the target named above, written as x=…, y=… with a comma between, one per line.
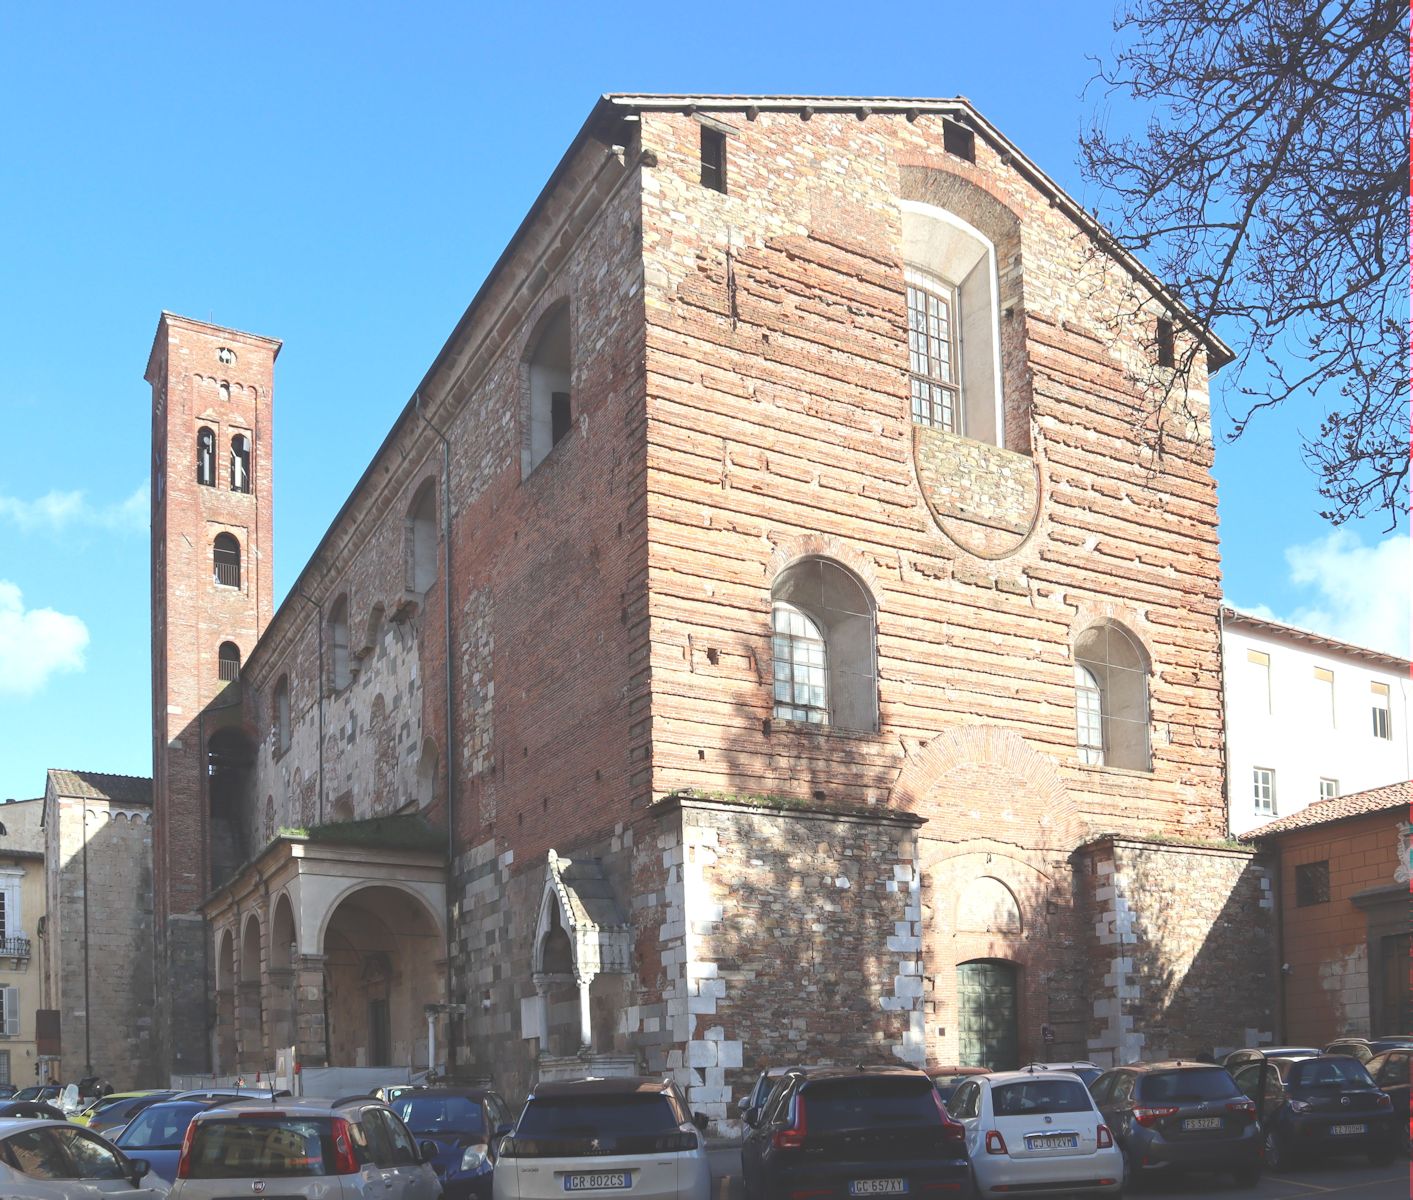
x=590, y=672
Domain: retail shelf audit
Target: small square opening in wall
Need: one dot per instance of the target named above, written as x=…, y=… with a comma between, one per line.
x=959, y=140
x=1166, y=351
x=713, y=159
x=1312, y=883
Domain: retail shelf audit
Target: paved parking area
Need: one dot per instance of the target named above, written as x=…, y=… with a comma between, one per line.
x=1338, y=1179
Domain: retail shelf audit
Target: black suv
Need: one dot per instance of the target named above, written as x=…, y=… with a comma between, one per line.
x=854, y=1131
x=1322, y=1105
x=1180, y=1115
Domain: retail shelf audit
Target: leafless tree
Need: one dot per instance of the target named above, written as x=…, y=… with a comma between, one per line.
x=1270, y=190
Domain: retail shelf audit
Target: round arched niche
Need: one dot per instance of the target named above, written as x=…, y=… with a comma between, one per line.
x=986, y=905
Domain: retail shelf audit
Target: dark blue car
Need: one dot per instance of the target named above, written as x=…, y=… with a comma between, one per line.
x=464, y=1124
x=156, y=1134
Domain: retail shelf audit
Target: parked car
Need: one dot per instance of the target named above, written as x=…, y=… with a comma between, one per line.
x=1322, y=1105
x=1180, y=1115
x=1036, y=1130
x=1366, y=1048
x=761, y=1089
x=1390, y=1072
x=34, y=1110
x=631, y=1135
x=58, y=1160
x=7, y=1090
x=852, y=1131
x=947, y=1079
x=112, y=1112
x=45, y=1093
x=1255, y=1053
x=156, y=1133
x=1088, y=1072
x=298, y=1148
x=465, y=1125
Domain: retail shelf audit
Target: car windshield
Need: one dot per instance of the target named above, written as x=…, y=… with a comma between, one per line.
x=836, y=1104
x=263, y=1147
x=1027, y=1097
x=1329, y=1072
x=1214, y=1084
x=568, y=1126
x=34, y=1093
x=160, y=1127
x=440, y=1114
x=117, y=1112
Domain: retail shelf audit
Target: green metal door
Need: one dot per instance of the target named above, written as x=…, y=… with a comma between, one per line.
x=988, y=1035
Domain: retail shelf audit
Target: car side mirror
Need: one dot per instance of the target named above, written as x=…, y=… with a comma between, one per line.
x=701, y=1121
x=429, y=1151
x=750, y=1116
x=139, y=1168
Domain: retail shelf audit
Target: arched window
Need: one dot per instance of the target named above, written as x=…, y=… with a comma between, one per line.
x=240, y=463
x=550, y=366
x=1111, y=698
x=282, y=730
x=822, y=624
x=340, y=672
x=228, y=661
x=954, y=345
x=205, y=457
x=225, y=552
x=422, y=539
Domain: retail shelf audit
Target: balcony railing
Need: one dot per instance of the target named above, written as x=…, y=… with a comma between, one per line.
x=228, y=670
x=14, y=947
x=228, y=574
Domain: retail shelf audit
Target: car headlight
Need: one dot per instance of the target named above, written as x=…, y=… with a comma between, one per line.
x=474, y=1157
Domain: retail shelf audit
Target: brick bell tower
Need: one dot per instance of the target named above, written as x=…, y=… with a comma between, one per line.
x=212, y=594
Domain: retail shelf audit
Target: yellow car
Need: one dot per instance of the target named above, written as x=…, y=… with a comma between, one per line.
x=112, y=1112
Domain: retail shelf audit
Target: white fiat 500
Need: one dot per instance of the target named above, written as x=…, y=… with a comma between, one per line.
x=1036, y=1131
x=630, y=1137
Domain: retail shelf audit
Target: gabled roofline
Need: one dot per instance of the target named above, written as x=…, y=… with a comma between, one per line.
x=603, y=118
x=1234, y=616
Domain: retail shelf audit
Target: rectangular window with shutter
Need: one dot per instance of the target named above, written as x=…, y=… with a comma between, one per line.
x=1260, y=668
x=1383, y=727
x=10, y=1010
x=5, y=1068
x=1324, y=694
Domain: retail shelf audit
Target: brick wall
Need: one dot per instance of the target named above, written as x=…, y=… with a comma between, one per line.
x=1328, y=991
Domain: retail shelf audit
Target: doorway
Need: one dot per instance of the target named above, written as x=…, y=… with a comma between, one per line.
x=988, y=1032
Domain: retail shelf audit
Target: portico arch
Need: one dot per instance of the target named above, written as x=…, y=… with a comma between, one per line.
x=250, y=1016
x=381, y=945
x=224, y=1051
x=283, y=947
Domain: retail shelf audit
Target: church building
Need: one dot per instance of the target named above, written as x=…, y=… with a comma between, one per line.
x=779, y=627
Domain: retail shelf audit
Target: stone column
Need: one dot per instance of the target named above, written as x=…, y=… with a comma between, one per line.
x=251, y=1033
x=310, y=1040
x=543, y=983
x=227, y=1058
x=282, y=1010
x=586, y=1028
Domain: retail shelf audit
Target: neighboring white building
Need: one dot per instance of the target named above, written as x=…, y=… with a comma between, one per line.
x=1308, y=718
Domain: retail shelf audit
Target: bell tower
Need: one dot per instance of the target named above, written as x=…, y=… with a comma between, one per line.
x=212, y=596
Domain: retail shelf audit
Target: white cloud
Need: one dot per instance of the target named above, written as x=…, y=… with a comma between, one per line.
x=1351, y=592
x=35, y=643
x=56, y=511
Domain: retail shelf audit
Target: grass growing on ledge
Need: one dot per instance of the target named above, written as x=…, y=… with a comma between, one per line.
x=405, y=832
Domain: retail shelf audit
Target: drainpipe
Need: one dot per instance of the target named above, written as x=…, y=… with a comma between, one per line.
x=319, y=608
x=87, y=1011
x=450, y=706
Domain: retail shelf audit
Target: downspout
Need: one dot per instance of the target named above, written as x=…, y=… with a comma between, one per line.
x=87, y=1011
x=450, y=707
x=319, y=608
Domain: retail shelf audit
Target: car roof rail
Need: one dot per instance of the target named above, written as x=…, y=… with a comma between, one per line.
x=354, y=1097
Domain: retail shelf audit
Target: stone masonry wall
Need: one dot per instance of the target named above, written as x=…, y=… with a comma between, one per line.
x=101, y=858
x=1182, y=958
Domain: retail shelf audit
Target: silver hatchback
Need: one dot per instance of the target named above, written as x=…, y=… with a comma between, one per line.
x=353, y=1148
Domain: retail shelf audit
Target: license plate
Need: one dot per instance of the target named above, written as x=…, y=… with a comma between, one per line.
x=597, y=1181
x=1052, y=1141
x=1349, y=1129
x=1202, y=1123
x=878, y=1187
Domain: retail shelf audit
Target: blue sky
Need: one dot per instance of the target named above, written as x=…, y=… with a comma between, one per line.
x=342, y=177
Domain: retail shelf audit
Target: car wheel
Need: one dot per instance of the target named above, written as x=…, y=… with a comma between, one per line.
x=1277, y=1156
x=1130, y=1179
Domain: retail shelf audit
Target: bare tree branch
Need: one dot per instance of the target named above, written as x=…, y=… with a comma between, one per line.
x=1270, y=186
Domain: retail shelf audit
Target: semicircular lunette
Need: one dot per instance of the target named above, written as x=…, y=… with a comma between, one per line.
x=985, y=498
